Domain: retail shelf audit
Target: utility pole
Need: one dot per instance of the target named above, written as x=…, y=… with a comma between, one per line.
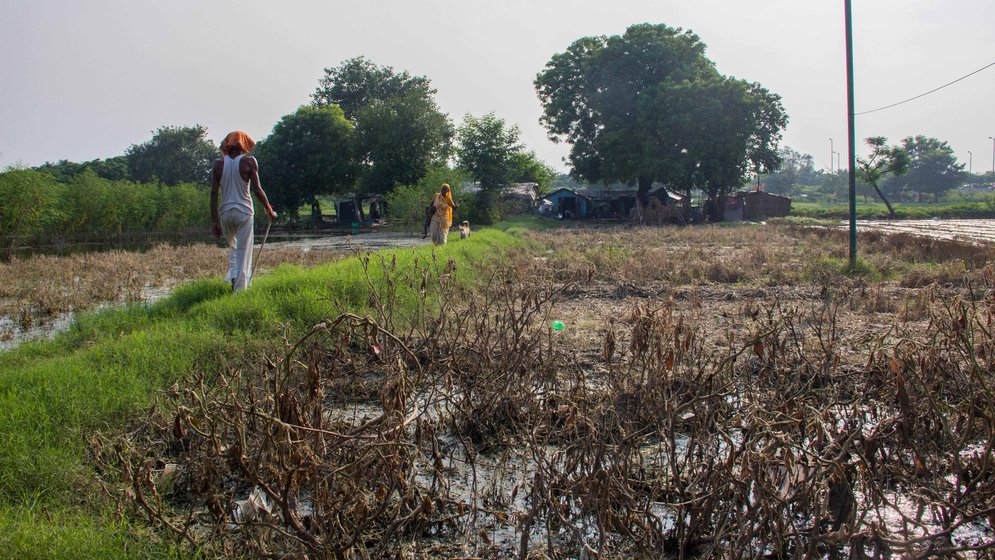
x=832, y=152
x=993, y=157
x=852, y=139
x=970, y=162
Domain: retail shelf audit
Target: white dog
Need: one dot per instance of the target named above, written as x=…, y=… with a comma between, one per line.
x=464, y=230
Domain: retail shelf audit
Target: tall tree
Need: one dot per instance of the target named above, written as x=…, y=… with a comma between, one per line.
x=884, y=160
x=358, y=82
x=767, y=120
x=724, y=127
x=398, y=139
x=175, y=154
x=309, y=153
x=400, y=130
x=933, y=168
x=622, y=102
x=489, y=150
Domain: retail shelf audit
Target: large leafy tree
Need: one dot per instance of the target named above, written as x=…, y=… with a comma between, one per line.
x=933, y=168
x=489, y=149
x=400, y=131
x=398, y=139
x=309, y=153
x=594, y=97
x=631, y=106
x=358, y=82
x=175, y=154
x=718, y=134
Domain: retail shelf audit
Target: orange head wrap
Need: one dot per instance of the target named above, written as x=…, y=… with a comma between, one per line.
x=239, y=139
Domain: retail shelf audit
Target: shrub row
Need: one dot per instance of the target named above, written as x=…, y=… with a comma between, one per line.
x=37, y=207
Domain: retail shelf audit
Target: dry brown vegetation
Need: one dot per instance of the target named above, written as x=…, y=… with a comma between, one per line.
x=716, y=393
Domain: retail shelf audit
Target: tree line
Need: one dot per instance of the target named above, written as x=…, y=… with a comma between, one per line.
x=40, y=207
x=917, y=169
x=645, y=107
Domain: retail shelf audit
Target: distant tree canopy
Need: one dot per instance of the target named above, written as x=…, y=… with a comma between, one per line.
x=796, y=169
x=114, y=169
x=528, y=168
x=400, y=131
x=398, y=139
x=649, y=106
x=175, y=154
x=933, y=169
x=309, y=153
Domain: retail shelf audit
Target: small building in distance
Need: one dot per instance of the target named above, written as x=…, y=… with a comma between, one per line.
x=570, y=203
x=756, y=205
x=514, y=198
x=613, y=202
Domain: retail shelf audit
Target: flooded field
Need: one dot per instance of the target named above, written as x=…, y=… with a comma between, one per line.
x=629, y=393
x=40, y=294
x=970, y=231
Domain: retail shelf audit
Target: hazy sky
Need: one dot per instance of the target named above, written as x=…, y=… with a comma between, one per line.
x=83, y=80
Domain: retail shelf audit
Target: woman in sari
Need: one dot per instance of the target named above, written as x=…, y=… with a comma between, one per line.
x=442, y=219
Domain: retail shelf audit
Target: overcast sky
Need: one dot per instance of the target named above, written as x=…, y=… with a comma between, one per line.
x=84, y=80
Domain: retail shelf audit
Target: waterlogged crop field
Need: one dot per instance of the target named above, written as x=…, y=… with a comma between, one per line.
x=40, y=295
x=969, y=231
x=715, y=392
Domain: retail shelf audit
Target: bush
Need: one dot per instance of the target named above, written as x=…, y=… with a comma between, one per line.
x=28, y=205
x=36, y=207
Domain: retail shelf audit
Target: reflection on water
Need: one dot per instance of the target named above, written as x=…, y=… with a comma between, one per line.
x=144, y=241
x=37, y=325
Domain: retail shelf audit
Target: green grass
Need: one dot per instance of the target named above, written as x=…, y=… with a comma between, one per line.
x=32, y=534
x=99, y=375
x=829, y=267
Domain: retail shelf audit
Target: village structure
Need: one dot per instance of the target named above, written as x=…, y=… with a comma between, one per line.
x=619, y=203
x=596, y=202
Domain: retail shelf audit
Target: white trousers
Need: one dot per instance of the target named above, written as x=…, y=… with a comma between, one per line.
x=236, y=225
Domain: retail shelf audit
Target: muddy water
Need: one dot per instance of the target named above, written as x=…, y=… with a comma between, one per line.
x=15, y=330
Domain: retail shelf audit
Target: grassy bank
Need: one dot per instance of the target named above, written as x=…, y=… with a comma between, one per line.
x=54, y=395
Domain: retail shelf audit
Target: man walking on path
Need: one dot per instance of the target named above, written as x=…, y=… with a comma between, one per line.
x=235, y=175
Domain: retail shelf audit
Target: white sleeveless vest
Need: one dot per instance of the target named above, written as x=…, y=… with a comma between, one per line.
x=234, y=191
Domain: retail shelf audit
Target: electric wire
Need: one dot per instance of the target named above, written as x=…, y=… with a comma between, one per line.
x=925, y=94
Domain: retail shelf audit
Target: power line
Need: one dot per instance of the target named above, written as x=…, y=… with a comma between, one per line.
x=925, y=94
